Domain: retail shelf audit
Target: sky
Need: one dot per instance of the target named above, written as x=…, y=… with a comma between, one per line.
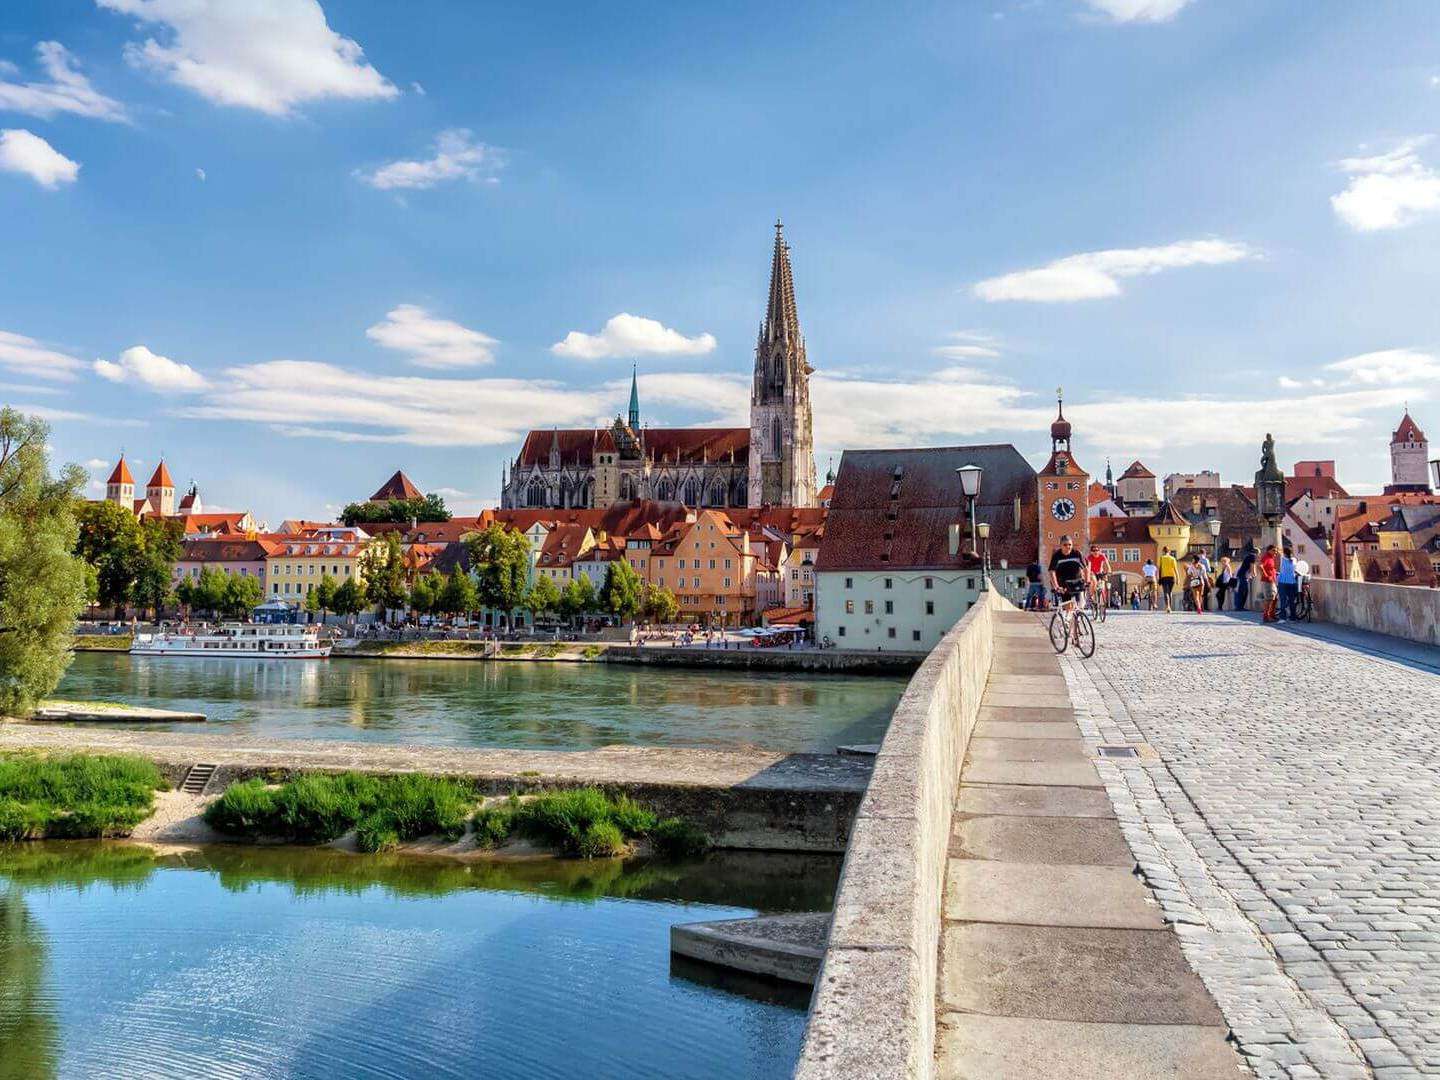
x=294, y=245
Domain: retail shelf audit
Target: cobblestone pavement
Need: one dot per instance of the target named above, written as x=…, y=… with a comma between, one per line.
x=1289, y=823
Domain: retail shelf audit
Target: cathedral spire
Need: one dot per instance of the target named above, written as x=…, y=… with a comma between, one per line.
x=634, y=398
x=782, y=321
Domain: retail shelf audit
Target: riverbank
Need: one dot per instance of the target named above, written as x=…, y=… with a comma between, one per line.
x=114, y=712
x=744, y=799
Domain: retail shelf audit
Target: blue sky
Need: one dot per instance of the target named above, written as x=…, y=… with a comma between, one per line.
x=296, y=245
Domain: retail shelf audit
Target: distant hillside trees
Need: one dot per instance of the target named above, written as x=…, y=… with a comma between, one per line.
x=428, y=508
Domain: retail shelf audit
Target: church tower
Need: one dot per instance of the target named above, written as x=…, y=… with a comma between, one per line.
x=1409, y=458
x=1064, y=490
x=782, y=452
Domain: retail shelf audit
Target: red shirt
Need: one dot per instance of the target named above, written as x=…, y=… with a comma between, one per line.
x=1269, y=571
x=1097, y=562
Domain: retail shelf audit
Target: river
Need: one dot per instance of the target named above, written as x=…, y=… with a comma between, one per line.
x=219, y=962
x=519, y=704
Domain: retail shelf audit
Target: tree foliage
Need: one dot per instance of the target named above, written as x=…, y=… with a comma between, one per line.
x=501, y=558
x=427, y=508
x=324, y=593
x=109, y=540
x=162, y=541
x=543, y=597
x=623, y=592
x=661, y=606
x=578, y=598
x=459, y=596
x=383, y=568
x=426, y=592
x=42, y=582
x=349, y=597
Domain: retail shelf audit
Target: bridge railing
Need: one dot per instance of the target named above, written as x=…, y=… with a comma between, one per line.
x=1404, y=611
x=873, y=1011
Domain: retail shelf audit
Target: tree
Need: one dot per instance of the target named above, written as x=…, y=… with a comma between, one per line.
x=459, y=596
x=324, y=593
x=623, y=592
x=162, y=541
x=243, y=593
x=661, y=605
x=109, y=539
x=349, y=597
x=382, y=567
x=543, y=597
x=207, y=591
x=425, y=593
x=42, y=581
x=501, y=558
x=311, y=603
x=427, y=508
x=578, y=598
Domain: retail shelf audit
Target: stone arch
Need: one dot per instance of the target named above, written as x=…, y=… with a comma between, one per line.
x=665, y=490
x=693, y=492
x=535, y=492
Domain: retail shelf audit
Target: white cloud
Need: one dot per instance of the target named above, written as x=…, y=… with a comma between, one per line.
x=24, y=152
x=98, y=463
x=200, y=175
x=457, y=157
x=28, y=357
x=1125, y=11
x=1388, y=367
x=1388, y=191
x=1096, y=275
x=138, y=364
x=969, y=345
x=303, y=398
x=432, y=342
x=724, y=399
x=268, y=55
x=67, y=91
x=632, y=335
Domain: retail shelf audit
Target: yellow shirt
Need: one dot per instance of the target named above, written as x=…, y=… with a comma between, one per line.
x=1167, y=566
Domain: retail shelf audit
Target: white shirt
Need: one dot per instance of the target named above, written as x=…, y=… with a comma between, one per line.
x=1150, y=570
x=1302, y=568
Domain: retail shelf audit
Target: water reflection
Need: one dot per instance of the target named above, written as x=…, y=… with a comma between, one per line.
x=469, y=703
x=294, y=961
x=29, y=1030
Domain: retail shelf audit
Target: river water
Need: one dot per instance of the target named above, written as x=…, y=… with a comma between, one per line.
x=290, y=962
x=532, y=705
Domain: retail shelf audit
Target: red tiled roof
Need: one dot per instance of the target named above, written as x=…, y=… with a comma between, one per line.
x=578, y=445
x=1319, y=487
x=121, y=473
x=219, y=551
x=161, y=477
x=1408, y=431
x=563, y=544
x=226, y=522
x=1137, y=471
x=1398, y=567
x=1119, y=530
x=397, y=487
x=893, y=508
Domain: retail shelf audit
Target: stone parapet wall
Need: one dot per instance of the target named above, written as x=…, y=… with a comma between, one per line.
x=1404, y=611
x=873, y=1012
x=833, y=660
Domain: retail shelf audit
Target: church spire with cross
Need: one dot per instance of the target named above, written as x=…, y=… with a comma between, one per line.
x=634, y=398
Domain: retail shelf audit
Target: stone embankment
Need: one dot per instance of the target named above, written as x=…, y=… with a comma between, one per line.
x=835, y=661
x=749, y=799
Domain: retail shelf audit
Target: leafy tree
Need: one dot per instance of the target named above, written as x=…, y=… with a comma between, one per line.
x=162, y=541
x=206, y=592
x=661, y=606
x=243, y=594
x=459, y=596
x=110, y=540
x=426, y=592
x=42, y=582
x=543, y=597
x=501, y=558
x=324, y=593
x=184, y=593
x=427, y=508
x=382, y=567
x=578, y=598
x=311, y=603
x=349, y=597
x=623, y=592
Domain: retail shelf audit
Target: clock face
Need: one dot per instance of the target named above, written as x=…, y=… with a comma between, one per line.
x=1063, y=509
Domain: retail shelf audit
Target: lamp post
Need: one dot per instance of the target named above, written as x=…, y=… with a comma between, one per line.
x=1214, y=524
x=984, y=530
x=970, y=487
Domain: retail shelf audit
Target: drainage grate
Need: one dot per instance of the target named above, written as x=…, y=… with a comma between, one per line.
x=1119, y=751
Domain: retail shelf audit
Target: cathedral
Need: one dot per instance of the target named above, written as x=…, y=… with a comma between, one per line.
x=770, y=463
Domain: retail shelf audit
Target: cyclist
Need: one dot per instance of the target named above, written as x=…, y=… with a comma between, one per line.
x=1098, y=564
x=1067, y=571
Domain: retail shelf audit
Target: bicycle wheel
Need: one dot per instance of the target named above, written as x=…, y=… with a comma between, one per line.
x=1084, y=635
x=1304, y=607
x=1059, y=632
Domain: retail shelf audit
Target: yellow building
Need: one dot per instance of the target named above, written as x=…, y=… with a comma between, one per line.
x=295, y=571
x=1169, y=530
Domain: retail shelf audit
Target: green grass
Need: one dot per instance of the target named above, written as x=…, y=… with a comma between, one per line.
x=75, y=795
x=590, y=652
x=384, y=811
x=107, y=642
x=416, y=648
x=589, y=823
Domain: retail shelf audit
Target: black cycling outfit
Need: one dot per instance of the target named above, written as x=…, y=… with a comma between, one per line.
x=1069, y=571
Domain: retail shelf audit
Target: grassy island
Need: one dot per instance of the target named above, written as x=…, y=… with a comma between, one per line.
x=387, y=811
x=74, y=796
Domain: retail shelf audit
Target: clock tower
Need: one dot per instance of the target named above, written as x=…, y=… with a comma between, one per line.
x=1064, y=491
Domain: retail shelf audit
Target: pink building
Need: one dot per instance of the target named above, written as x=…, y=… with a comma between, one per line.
x=245, y=558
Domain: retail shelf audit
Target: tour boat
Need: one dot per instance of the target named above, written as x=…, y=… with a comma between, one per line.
x=277, y=641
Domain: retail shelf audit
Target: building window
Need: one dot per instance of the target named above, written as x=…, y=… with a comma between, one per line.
x=914, y=635
x=929, y=583
x=727, y=564
x=841, y=631
x=849, y=583
x=727, y=583
x=890, y=609
x=849, y=607
x=890, y=632
x=712, y=564
x=869, y=607
x=969, y=583
x=929, y=607
x=889, y=583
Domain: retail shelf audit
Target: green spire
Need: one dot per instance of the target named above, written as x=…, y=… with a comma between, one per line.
x=634, y=399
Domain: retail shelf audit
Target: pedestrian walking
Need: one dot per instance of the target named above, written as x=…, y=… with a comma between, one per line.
x=1224, y=582
x=1244, y=578
x=1269, y=576
x=1035, y=596
x=1288, y=584
x=1151, y=573
x=1169, y=571
x=1195, y=579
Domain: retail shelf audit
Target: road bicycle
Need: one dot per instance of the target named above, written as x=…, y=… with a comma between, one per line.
x=1304, y=604
x=1098, y=602
x=1071, y=624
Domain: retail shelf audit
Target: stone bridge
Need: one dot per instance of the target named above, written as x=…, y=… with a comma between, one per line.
x=1213, y=850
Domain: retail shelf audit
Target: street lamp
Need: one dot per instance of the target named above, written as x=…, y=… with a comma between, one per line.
x=970, y=487
x=1214, y=524
x=984, y=529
